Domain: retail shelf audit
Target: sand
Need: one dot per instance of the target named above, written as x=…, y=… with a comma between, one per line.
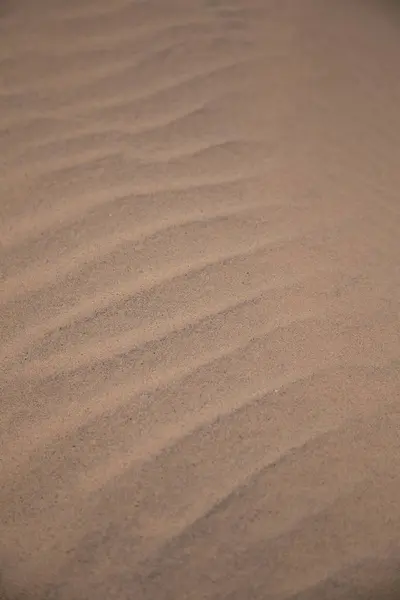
x=200, y=293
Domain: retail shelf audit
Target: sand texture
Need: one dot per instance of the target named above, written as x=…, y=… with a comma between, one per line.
x=200, y=300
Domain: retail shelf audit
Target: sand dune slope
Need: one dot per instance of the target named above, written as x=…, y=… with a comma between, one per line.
x=200, y=295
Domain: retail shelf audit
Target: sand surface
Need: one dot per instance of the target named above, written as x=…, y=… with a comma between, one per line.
x=200, y=299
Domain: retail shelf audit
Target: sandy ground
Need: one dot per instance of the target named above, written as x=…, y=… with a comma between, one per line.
x=200, y=292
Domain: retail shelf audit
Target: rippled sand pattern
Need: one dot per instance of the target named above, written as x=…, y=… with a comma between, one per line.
x=200, y=300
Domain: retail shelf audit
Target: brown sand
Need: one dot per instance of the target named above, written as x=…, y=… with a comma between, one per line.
x=200, y=360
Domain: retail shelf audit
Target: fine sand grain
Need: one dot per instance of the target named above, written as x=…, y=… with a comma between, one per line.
x=200, y=300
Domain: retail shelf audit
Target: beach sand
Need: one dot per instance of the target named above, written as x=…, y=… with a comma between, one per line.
x=200, y=300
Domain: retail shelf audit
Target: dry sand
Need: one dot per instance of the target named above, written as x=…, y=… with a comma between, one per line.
x=200, y=359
